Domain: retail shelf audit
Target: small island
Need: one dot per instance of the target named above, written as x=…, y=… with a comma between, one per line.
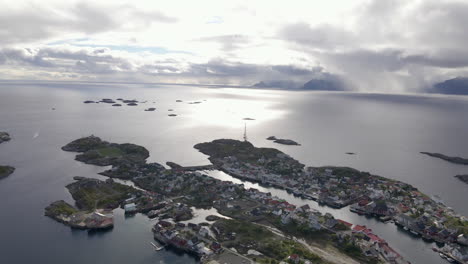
x=94, y=200
x=98, y=152
x=463, y=178
x=456, y=160
x=4, y=137
x=283, y=141
x=6, y=171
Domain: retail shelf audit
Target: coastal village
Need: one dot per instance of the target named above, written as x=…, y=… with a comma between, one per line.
x=286, y=231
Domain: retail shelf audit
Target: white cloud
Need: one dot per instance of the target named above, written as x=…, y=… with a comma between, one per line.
x=406, y=43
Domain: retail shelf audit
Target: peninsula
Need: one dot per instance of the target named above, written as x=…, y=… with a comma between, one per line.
x=456, y=160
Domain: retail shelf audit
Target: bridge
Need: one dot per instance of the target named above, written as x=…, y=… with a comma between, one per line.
x=195, y=168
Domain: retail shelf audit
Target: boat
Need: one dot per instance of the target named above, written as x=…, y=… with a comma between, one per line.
x=442, y=256
x=414, y=232
x=156, y=247
x=405, y=228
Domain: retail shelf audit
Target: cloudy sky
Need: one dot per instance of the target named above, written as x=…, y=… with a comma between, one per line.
x=373, y=45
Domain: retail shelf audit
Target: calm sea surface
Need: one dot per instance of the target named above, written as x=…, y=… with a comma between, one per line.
x=386, y=131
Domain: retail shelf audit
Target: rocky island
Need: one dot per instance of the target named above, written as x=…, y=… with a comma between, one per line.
x=4, y=136
x=283, y=141
x=463, y=178
x=6, y=171
x=456, y=160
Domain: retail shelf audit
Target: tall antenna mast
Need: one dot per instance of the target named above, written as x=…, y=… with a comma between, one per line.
x=245, y=132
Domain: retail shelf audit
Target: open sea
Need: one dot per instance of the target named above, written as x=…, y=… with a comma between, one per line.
x=386, y=132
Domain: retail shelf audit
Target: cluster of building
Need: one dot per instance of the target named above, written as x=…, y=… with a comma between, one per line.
x=365, y=193
x=241, y=203
x=98, y=219
x=191, y=238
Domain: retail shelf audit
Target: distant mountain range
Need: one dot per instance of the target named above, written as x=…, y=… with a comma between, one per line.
x=323, y=84
x=456, y=86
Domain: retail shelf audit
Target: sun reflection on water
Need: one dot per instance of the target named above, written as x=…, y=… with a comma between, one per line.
x=233, y=107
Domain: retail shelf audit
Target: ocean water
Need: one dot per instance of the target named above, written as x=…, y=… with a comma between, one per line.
x=386, y=132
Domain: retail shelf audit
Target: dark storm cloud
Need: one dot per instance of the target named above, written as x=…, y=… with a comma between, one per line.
x=424, y=39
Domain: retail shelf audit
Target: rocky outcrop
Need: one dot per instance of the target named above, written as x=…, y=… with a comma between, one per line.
x=4, y=136
x=456, y=160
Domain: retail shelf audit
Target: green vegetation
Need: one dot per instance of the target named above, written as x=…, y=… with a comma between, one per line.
x=102, y=153
x=90, y=194
x=457, y=223
x=110, y=152
x=272, y=246
x=284, y=248
x=60, y=208
x=247, y=230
